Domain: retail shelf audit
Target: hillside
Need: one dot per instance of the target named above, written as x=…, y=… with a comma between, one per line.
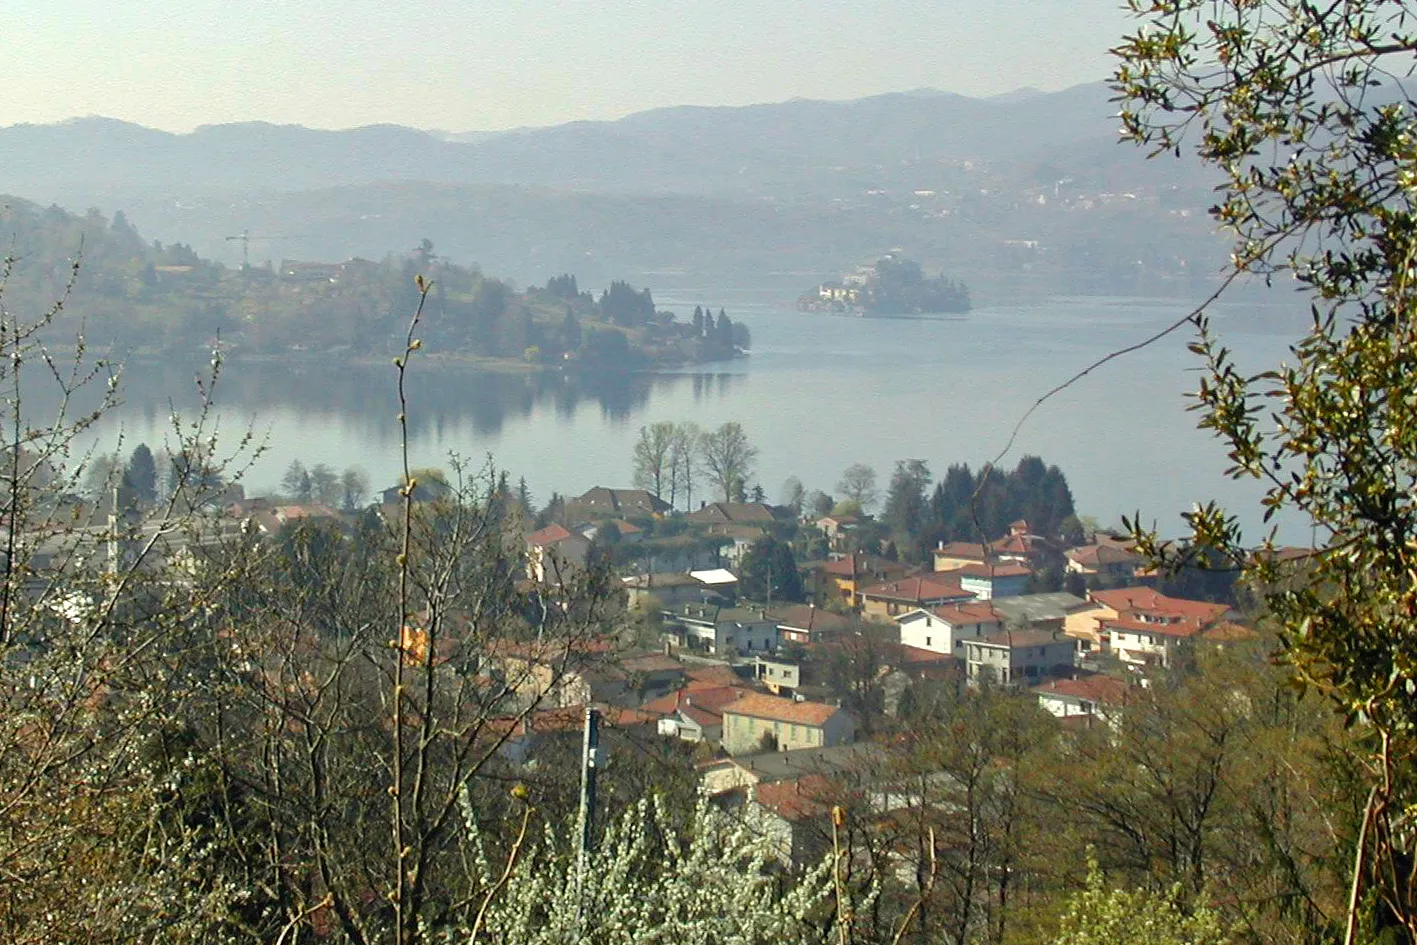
x=775, y=195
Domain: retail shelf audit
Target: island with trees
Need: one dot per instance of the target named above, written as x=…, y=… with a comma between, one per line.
x=146, y=300
x=894, y=287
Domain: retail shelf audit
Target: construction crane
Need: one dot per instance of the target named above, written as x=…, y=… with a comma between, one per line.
x=245, y=239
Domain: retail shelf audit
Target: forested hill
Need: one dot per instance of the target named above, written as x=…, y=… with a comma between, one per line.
x=146, y=298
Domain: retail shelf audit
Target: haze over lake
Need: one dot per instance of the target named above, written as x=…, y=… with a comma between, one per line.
x=817, y=394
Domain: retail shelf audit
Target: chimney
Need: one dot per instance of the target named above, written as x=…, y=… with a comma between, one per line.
x=940, y=545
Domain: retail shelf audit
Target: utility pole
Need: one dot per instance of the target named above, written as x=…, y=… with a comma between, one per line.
x=590, y=760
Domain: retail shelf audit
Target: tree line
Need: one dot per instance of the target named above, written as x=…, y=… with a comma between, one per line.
x=669, y=459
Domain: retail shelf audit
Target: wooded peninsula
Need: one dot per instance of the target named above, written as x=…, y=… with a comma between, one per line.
x=147, y=300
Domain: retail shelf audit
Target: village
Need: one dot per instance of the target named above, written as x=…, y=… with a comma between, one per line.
x=779, y=709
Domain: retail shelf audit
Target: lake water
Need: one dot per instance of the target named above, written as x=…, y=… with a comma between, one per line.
x=817, y=394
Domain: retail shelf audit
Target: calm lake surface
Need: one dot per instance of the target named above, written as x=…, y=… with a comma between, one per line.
x=817, y=394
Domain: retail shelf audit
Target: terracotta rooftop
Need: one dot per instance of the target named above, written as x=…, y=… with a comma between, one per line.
x=759, y=706
x=713, y=675
x=1150, y=601
x=1180, y=627
x=549, y=535
x=798, y=799
x=1098, y=688
x=997, y=569
x=921, y=590
x=709, y=698
x=914, y=655
x=967, y=612
x=1098, y=555
x=960, y=549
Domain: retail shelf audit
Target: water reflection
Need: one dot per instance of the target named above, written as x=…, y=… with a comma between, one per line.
x=447, y=399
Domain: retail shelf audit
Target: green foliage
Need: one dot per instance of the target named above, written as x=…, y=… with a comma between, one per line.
x=1102, y=916
x=141, y=474
x=900, y=288
x=769, y=572
x=969, y=507
x=1301, y=111
x=905, y=509
x=623, y=305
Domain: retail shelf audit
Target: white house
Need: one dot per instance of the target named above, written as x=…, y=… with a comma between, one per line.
x=721, y=630
x=944, y=629
x=1099, y=696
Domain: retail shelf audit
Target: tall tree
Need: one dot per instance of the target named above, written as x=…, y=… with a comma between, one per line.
x=858, y=483
x=728, y=459
x=794, y=496
x=141, y=473
x=905, y=511
x=769, y=573
x=683, y=463
x=325, y=486
x=296, y=481
x=354, y=488
x=651, y=460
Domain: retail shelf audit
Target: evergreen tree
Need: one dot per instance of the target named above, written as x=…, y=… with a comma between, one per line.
x=141, y=474
x=724, y=332
x=906, y=505
x=769, y=572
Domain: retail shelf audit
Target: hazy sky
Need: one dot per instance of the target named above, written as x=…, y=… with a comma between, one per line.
x=488, y=64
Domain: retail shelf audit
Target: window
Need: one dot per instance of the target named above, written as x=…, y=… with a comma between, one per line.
x=927, y=641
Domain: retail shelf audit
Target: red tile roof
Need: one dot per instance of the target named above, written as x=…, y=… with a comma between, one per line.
x=759, y=706
x=998, y=569
x=712, y=676
x=1098, y=688
x=913, y=655
x=549, y=535
x=921, y=590
x=799, y=799
x=960, y=549
x=1149, y=601
x=1098, y=555
x=711, y=699
x=1181, y=627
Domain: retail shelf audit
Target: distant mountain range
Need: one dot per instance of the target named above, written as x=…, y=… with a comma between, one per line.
x=710, y=193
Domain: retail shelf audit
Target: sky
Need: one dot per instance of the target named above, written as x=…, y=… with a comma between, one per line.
x=463, y=65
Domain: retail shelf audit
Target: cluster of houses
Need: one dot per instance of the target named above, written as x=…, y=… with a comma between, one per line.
x=768, y=693
x=758, y=686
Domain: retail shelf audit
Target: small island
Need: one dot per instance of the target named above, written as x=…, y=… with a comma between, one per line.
x=895, y=287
